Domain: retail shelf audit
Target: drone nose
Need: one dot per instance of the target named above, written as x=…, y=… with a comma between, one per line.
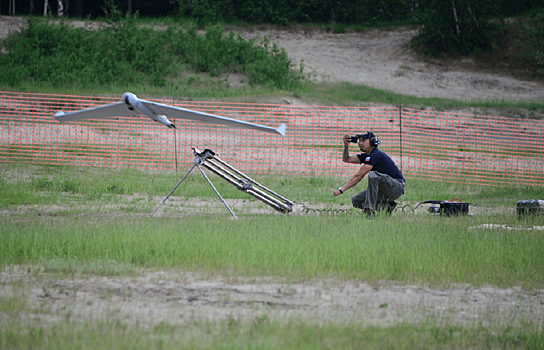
x=130, y=99
x=126, y=98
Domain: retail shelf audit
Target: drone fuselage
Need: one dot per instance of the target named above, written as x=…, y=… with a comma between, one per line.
x=134, y=103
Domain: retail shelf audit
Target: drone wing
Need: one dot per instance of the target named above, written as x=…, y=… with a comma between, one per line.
x=176, y=112
x=118, y=109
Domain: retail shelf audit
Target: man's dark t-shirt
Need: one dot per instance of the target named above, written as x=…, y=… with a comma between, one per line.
x=381, y=163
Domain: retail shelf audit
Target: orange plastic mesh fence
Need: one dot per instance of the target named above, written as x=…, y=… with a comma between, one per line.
x=425, y=145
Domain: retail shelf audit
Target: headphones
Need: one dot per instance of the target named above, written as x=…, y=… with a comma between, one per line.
x=374, y=141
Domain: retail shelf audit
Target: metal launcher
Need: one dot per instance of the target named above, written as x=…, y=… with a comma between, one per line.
x=210, y=161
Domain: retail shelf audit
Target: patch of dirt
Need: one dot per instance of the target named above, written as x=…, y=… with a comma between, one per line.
x=180, y=297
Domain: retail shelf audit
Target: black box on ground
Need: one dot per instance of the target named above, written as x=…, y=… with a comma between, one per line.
x=449, y=208
x=530, y=207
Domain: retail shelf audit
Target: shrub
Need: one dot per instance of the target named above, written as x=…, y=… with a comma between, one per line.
x=65, y=56
x=124, y=53
x=461, y=26
x=283, y=12
x=531, y=43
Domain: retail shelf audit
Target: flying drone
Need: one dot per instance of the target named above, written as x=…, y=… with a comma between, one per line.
x=132, y=105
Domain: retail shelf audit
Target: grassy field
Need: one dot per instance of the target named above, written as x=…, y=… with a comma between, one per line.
x=407, y=248
x=263, y=334
x=99, y=230
x=60, y=224
x=427, y=250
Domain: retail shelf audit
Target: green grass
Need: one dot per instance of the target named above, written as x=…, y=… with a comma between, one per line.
x=22, y=151
x=500, y=152
x=429, y=250
x=92, y=151
x=72, y=151
x=344, y=94
x=33, y=152
x=47, y=184
x=341, y=94
x=263, y=333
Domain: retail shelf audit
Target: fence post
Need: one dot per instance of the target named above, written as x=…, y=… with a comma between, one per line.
x=175, y=140
x=400, y=133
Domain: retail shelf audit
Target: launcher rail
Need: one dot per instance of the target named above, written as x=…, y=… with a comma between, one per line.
x=238, y=179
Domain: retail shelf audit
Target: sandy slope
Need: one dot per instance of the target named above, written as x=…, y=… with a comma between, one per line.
x=384, y=59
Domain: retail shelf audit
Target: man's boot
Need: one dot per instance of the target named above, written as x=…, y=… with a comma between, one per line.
x=388, y=206
x=391, y=205
x=369, y=213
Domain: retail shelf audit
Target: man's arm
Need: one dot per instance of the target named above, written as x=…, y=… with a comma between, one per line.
x=365, y=169
x=346, y=157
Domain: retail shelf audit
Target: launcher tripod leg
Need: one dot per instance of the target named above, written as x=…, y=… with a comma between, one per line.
x=222, y=200
x=169, y=194
x=199, y=159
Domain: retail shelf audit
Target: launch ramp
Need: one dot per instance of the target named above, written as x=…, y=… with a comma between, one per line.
x=241, y=181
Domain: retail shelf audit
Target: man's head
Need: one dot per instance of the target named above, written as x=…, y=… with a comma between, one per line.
x=367, y=141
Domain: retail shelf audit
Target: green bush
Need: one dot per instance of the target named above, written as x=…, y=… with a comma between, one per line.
x=285, y=11
x=217, y=53
x=66, y=56
x=531, y=44
x=124, y=53
x=203, y=11
x=347, y=12
x=456, y=26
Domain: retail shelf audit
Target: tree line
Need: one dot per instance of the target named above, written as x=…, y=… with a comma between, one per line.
x=347, y=12
x=86, y=8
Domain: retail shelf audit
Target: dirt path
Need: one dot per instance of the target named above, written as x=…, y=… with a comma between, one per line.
x=179, y=297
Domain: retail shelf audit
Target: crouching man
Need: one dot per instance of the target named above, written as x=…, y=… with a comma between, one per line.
x=385, y=181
